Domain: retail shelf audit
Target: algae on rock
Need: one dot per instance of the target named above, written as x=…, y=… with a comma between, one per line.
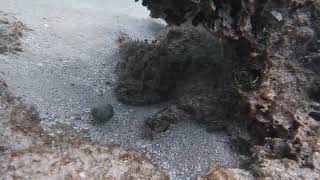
x=275, y=48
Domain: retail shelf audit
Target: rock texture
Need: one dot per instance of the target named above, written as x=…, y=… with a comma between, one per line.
x=149, y=70
x=185, y=65
x=10, y=33
x=219, y=173
x=275, y=48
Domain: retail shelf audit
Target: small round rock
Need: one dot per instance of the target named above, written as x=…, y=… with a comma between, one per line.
x=102, y=113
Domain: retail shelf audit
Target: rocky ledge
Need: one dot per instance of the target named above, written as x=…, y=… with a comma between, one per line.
x=268, y=79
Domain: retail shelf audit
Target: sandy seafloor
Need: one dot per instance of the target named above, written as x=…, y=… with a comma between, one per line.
x=67, y=67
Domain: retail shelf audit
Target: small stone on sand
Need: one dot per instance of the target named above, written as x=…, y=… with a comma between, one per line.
x=102, y=113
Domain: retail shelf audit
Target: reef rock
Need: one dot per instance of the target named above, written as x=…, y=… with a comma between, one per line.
x=10, y=33
x=149, y=70
x=219, y=173
x=275, y=48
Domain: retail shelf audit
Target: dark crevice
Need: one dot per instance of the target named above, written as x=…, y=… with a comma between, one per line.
x=315, y=116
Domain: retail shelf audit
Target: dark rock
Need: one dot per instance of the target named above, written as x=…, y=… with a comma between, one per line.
x=265, y=50
x=149, y=72
x=102, y=113
x=315, y=115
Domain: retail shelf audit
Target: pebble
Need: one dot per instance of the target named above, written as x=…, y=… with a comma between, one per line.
x=277, y=15
x=102, y=113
